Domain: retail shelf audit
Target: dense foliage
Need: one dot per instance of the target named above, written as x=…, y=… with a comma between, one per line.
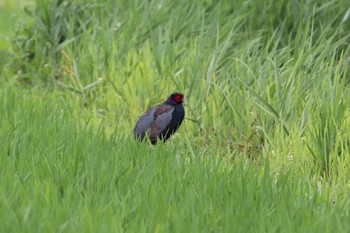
x=264, y=146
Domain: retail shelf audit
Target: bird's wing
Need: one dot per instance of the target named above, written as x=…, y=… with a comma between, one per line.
x=162, y=118
x=144, y=123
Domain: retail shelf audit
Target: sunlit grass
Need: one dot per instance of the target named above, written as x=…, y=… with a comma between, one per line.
x=61, y=174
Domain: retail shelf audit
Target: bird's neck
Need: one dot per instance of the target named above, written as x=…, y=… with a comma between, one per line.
x=171, y=102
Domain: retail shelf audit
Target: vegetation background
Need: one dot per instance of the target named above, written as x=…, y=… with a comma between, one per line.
x=265, y=143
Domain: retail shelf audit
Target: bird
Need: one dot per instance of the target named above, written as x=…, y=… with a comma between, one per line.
x=161, y=121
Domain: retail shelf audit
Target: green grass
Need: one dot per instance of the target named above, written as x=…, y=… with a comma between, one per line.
x=61, y=174
x=265, y=143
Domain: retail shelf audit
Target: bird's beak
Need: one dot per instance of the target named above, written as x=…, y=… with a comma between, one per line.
x=184, y=101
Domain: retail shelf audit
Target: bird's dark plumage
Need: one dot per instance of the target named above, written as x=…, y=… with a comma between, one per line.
x=162, y=121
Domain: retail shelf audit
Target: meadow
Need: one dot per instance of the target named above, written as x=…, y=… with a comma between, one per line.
x=264, y=146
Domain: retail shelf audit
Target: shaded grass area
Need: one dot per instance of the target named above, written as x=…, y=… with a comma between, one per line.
x=5, y=30
x=9, y=11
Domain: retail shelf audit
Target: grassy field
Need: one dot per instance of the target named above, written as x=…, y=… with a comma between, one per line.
x=264, y=146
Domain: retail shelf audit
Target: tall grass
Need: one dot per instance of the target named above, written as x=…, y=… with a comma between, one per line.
x=59, y=174
x=264, y=147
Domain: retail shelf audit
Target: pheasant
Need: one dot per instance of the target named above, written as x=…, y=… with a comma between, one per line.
x=161, y=121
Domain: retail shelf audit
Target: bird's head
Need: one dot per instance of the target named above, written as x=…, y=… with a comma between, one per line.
x=175, y=98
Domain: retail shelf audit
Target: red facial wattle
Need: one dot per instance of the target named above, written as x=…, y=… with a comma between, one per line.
x=178, y=98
